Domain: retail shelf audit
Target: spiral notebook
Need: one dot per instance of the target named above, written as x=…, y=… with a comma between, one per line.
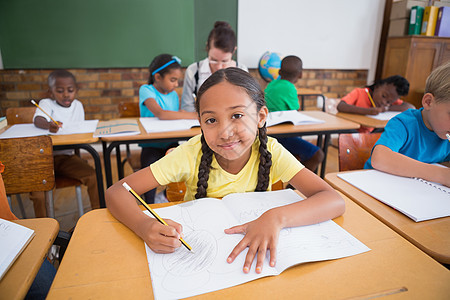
x=418, y=199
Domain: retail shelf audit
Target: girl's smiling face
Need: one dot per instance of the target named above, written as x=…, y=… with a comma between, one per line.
x=229, y=120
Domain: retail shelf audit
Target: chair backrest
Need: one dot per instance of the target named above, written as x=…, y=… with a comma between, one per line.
x=129, y=110
x=28, y=164
x=20, y=115
x=355, y=149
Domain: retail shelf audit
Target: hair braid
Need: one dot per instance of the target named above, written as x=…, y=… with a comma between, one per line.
x=204, y=169
x=265, y=162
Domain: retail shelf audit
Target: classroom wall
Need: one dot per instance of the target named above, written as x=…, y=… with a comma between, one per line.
x=101, y=90
x=325, y=34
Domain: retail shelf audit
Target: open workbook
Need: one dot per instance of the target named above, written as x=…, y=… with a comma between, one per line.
x=290, y=116
x=119, y=127
x=183, y=273
x=13, y=240
x=416, y=198
x=157, y=125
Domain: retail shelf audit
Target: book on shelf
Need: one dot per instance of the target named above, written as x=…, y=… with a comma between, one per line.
x=152, y=125
x=119, y=127
x=415, y=20
x=429, y=20
x=290, y=116
x=416, y=198
x=13, y=239
x=443, y=22
x=184, y=274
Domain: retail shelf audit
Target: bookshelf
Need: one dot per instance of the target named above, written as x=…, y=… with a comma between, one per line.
x=414, y=57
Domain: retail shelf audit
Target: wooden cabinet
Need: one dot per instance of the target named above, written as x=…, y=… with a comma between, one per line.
x=414, y=57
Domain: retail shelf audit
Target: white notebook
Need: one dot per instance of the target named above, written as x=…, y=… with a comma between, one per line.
x=13, y=240
x=416, y=198
x=156, y=125
x=290, y=116
x=185, y=274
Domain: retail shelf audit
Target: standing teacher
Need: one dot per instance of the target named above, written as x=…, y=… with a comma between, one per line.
x=220, y=47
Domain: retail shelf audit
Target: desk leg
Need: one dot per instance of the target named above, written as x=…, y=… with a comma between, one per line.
x=120, y=171
x=107, y=161
x=326, y=143
x=98, y=167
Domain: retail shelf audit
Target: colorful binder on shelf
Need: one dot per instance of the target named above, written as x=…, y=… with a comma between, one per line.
x=443, y=22
x=429, y=20
x=415, y=20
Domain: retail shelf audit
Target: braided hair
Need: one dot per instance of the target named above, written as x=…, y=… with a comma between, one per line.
x=244, y=80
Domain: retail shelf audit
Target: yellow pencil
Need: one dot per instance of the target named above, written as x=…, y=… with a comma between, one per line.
x=448, y=136
x=34, y=102
x=370, y=97
x=157, y=217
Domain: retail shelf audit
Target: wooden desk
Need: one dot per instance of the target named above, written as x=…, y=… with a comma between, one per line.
x=432, y=236
x=105, y=260
x=332, y=125
x=363, y=120
x=20, y=276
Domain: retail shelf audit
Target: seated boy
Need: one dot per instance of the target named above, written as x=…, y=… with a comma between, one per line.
x=384, y=93
x=281, y=94
x=63, y=107
x=416, y=139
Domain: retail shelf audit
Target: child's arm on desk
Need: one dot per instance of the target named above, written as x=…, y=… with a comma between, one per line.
x=353, y=109
x=162, y=114
x=41, y=122
x=322, y=203
x=386, y=160
x=402, y=107
x=122, y=205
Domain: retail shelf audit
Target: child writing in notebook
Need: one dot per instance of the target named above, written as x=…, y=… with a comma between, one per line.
x=233, y=154
x=416, y=139
x=281, y=94
x=159, y=99
x=65, y=109
x=384, y=93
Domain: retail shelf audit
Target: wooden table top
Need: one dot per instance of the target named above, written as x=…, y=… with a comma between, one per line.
x=18, y=279
x=105, y=260
x=363, y=120
x=432, y=236
x=332, y=123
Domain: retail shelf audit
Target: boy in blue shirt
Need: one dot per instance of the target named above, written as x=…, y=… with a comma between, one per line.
x=416, y=139
x=281, y=94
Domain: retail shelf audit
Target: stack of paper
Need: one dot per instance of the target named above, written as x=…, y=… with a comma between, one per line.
x=157, y=125
x=120, y=127
x=13, y=240
x=290, y=116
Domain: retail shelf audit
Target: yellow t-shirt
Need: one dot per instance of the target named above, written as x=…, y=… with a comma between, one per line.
x=181, y=165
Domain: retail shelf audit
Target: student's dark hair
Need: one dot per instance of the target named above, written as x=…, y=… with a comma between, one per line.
x=158, y=62
x=401, y=84
x=51, y=80
x=222, y=37
x=244, y=80
x=291, y=67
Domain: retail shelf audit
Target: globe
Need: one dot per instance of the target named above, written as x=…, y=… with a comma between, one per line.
x=269, y=65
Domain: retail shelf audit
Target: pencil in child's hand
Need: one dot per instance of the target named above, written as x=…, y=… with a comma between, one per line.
x=448, y=136
x=34, y=102
x=370, y=97
x=157, y=217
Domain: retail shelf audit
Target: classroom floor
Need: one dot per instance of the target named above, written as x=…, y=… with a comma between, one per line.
x=66, y=210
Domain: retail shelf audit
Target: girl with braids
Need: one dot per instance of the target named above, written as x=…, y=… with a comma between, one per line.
x=159, y=99
x=233, y=154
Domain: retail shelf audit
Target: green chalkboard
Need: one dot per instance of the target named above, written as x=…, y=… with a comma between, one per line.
x=105, y=33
